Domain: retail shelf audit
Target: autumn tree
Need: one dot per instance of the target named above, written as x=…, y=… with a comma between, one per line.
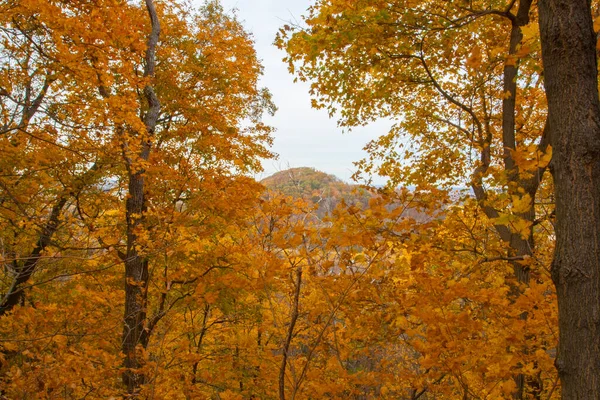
x=463, y=82
x=441, y=67
x=47, y=164
x=133, y=146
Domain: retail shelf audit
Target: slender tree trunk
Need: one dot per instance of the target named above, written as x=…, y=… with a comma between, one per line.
x=290, y=334
x=570, y=73
x=16, y=293
x=23, y=272
x=136, y=329
x=136, y=273
x=518, y=245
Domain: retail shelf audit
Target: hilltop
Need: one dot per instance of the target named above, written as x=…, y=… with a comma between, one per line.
x=316, y=187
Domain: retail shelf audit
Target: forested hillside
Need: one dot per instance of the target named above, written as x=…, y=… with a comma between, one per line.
x=140, y=260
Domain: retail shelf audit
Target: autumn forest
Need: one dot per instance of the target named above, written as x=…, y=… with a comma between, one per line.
x=141, y=259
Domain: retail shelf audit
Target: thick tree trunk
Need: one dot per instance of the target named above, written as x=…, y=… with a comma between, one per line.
x=569, y=56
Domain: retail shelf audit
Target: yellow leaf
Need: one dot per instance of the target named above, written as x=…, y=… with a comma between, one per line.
x=474, y=60
x=597, y=24
x=530, y=32
x=522, y=227
x=521, y=204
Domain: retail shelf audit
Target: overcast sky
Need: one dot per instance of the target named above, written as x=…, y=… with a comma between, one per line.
x=305, y=137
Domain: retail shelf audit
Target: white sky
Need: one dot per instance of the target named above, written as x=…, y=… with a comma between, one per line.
x=305, y=137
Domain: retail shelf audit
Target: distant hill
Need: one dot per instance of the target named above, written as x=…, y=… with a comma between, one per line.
x=317, y=187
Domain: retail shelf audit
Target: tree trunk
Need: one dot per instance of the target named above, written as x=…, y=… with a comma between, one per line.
x=290, y=334
x=15, y=293
x=570, y=73
x=136, y=283
x=519, y=247
x=136, y=329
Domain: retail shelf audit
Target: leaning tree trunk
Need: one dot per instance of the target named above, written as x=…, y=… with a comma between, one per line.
x=569, y=56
